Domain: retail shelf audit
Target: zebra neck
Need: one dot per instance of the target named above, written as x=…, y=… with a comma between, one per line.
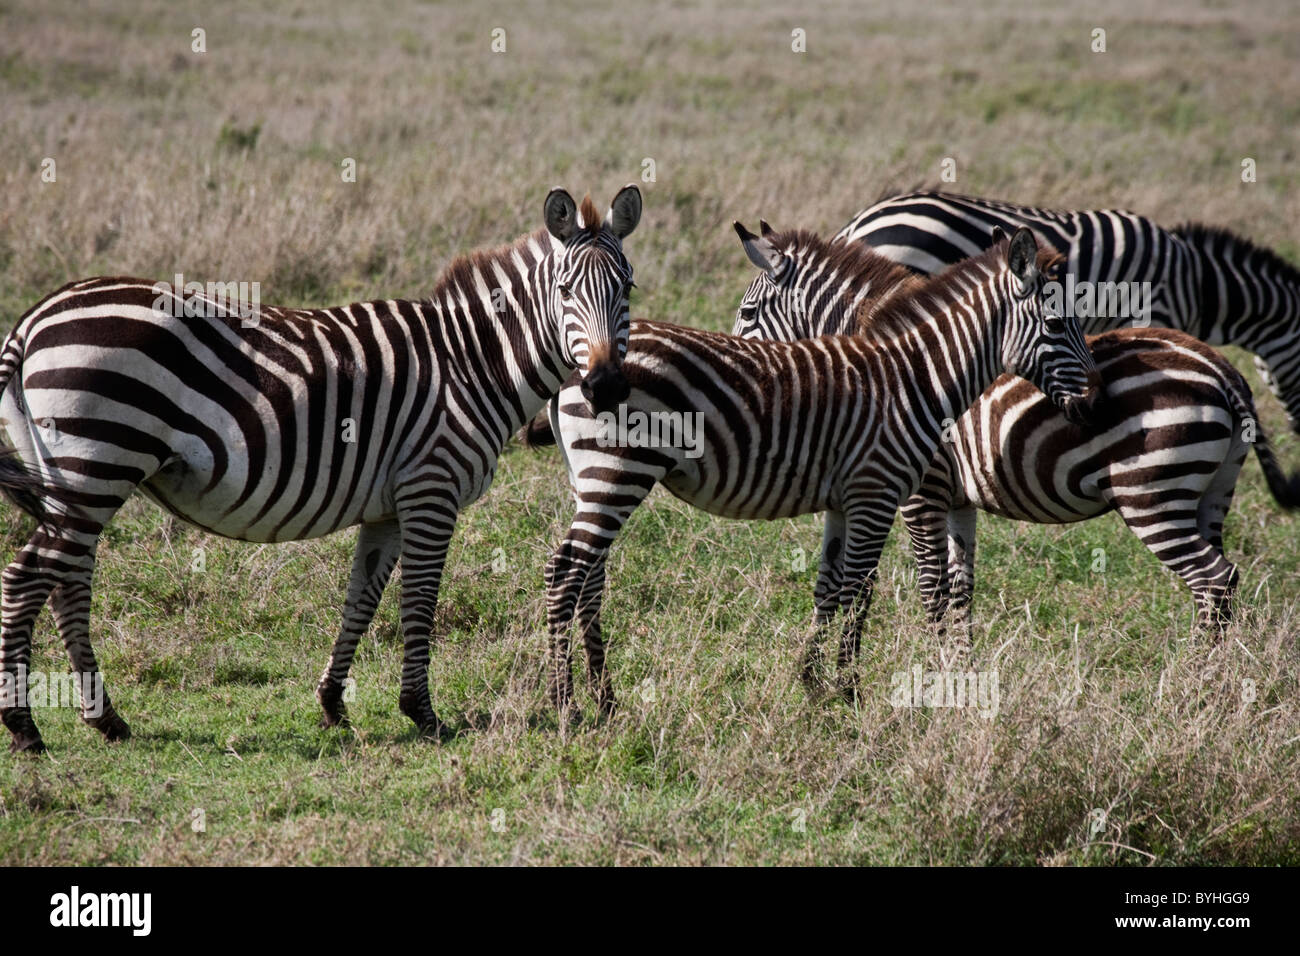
x=839, y=314
x=954, y=357
x=501, y=339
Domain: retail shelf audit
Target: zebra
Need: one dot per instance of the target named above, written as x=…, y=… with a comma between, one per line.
x=1206, y=281
x=839, y=424
x=1164, y=449
x=238, y=423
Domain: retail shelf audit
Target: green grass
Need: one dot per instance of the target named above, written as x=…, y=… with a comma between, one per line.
x=1118, y=737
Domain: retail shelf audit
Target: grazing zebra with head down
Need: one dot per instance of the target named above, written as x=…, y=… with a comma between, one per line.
x=844, y=425
x=1163, y=450
x=244, y=431
x=1207, y=282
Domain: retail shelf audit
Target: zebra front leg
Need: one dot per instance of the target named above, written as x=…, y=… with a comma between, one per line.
x=826, y=594
x=70, y=606
x=378, y=546
x=868, y=529
x=426, y=533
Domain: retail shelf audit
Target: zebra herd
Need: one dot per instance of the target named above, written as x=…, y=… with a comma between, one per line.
x=918, y=361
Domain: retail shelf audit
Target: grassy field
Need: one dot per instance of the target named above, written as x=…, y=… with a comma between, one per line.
x=1118, y=738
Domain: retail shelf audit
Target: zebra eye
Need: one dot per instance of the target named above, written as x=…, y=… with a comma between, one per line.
x=1054, y=325
x=566, y=292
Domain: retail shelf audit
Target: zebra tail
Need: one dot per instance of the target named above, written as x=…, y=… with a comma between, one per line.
x=538, y=432
x=1285, y=489
x=22, y=486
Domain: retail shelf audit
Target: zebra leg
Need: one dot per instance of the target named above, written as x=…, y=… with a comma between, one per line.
x=826, y=593
x=575, y=573
x=961, y=560
x=70, y=606
x=926, y=519
x=1171, y=531
x=589, y=628
x=378, y=546
x=565, y=575
x=426, y=533
x=961, y=575
x=867, y=531
x=50, y=556
x=1215, y=606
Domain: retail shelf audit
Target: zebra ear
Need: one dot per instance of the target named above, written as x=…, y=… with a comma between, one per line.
x=998, y=235
x=1022, y=256
x=561, y=214
x=764, y=228
x=761, y=252
x=624, y=212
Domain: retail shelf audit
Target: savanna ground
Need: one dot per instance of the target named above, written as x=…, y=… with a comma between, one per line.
x=1118, y=738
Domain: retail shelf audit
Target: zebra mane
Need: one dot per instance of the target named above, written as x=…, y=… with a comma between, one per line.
x=909, y=304
x=898, y=192
x=459, y=273
x=854, y=261
x=1231, y=247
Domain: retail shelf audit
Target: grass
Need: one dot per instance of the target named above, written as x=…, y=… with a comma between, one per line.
x=1117, y=739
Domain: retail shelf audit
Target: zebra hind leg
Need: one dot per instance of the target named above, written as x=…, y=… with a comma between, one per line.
x=1170, y=531
x=589, y=627
x=826, y=597
x=868, y=530
x=51, y=556
x=378, y=546
x=70, y=606
x=426, y=531
x=567, y=572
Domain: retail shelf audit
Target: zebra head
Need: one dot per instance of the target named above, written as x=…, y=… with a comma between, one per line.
x=589, y=289
x=809, y=286
x=1038, y=343
x=771, y=308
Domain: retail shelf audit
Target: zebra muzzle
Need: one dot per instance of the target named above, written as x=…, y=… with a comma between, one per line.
x=605, y=387
x=1083, y=410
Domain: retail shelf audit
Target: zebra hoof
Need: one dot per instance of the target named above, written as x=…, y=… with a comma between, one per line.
x=27, y=744
x=26, y=738
x=420, y=711
x=113, y=728
x=330, y=697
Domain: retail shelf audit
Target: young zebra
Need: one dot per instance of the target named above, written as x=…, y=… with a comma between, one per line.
x=838, y=424
x=1207, y=282
x=1163, y=450
x=292, y=423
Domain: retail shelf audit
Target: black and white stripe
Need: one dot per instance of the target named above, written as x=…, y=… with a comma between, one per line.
x=840, y=424
x=1164, y=450
x=1207, y=282
x=388, y=414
